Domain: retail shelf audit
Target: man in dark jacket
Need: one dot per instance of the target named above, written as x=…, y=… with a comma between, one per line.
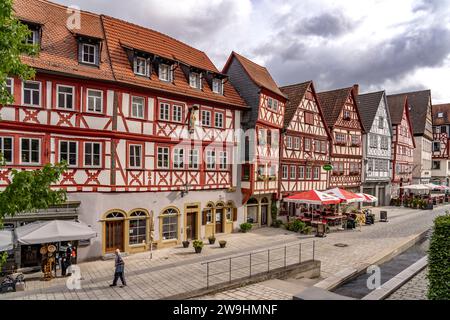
x=120, y=268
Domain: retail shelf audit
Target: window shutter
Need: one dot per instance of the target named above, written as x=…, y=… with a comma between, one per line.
x=203, y=217
x=234, y=214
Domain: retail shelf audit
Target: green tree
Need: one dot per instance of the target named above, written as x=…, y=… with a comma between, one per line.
x=29, y=190
x=12, y=45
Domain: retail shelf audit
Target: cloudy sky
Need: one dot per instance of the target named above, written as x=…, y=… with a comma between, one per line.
x=380, y=44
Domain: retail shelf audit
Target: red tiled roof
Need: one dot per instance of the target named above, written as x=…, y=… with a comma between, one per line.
x=258, y=74
x=445, y=109
x=59, y=48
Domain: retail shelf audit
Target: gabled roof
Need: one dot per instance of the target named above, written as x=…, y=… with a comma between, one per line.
x=397, y=105
x=258, y=74
x=332, y=103
x=445, y=109
x=58, y=44
x=368, y=106
x=295, y=94
x=418, y=103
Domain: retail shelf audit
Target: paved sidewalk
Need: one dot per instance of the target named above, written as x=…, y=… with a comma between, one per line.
x=178, y=270
x=414, y=289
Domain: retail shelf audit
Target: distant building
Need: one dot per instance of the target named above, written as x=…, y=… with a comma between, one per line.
x=441, y=155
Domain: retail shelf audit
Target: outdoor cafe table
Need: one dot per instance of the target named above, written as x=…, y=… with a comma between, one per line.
x=335, y=220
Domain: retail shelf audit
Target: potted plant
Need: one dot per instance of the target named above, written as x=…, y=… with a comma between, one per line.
x=198, y=245
x=245, y=227
x=212, y=239
x=222, y=243
x=185, y=244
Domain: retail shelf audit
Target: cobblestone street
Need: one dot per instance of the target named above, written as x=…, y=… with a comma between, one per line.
x=414, y=289
x=178, y=270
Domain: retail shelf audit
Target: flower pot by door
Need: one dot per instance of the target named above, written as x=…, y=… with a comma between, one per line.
x=198, y=249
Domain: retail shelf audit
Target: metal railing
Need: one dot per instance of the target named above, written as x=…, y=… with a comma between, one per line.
x=256, y=263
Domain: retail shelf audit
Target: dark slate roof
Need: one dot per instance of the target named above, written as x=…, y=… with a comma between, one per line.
x=445, y=109
x=418, y=103
x=332, y=103
x=295, y=94
x=368, y=105
x=396, y=105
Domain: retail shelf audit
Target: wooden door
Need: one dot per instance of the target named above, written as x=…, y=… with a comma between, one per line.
x=191, y=226
x=264, y=213
x=219, y=220
x=381, y=196
x=114, y=235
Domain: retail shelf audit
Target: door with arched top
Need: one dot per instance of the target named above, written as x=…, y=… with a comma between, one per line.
x=114, y=232
x=264, y=211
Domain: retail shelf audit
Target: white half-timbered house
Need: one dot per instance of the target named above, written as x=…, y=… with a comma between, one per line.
x=441, y=155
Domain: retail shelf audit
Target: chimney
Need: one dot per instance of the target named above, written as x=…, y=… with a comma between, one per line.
x=356, y=88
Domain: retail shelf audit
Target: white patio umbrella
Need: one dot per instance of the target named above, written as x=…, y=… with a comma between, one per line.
x=368, y=197
x=418, y=187
x=6, y=240
x=53, y=231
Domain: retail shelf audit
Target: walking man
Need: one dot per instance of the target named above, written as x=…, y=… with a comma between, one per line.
x=120, y=268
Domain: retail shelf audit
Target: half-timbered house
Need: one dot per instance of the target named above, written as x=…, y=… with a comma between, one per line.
x=441, y=156
x=419, y=105
x=344, y=122
x=145, y=122
x=376, y=145
x=260, y=139
x=305, y=143
x=403, y=144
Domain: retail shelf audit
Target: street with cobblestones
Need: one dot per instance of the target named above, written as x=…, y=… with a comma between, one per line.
x=177, y=270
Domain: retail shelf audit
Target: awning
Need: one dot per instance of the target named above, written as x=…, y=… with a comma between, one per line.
x=53, y=231
x=345, y=195
x=437, y=187
x=368, y=197
x=6, y=240
x=313, y=197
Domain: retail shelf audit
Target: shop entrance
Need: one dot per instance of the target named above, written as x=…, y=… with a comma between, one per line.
x=219, y=220
x=191, y=226
x=114, y=235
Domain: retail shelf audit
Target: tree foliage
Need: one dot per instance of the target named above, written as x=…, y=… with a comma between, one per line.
x=12, y=45
x=439, y=260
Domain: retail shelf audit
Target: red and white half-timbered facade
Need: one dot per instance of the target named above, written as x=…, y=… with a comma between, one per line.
x=305, y=142
x=260, y=140
x=344, y=122
x=403, y=143
x=441, y=154
x=149, y=139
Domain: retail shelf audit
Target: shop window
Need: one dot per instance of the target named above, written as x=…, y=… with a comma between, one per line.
x=170, y=224
x=138, y=227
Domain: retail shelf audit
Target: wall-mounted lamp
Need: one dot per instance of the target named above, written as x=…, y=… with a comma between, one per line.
x=185, y=191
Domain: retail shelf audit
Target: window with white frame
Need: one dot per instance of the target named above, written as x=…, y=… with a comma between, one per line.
x=10, y=86
x=141, y=66
x=436, y=146
x=296, y=143
x=356, y=141
x=317, y=144
x=373, y=141
x=94, y=100
x=284, y=173
x=30, y=150
x=163, y=157
x=195, y=80
x=68, y=152
x=301, y=173
x=178, y=158
x=346, y=114
x=210, y=159
x=135, y=156
x=164, y=111
x=308, y=173
x=137, y=107
x=307, y=143
x=380, y=122
x=177, y=113
x=6, y=149
x=384, y=143
x=65, y=97
x=164, y=72
x=206, y=118
x=33, y=37
x=289, y=142
x=262, y=137
x=218, y=120
x=89, y=53
x=217, y=86
x=440, y=115
x=293, y=172
x=138, y=227
x=31, y=93
x=193, y=158
x=370, y=165
x=316, y=175
x=223, y=160
x=340, y=138
x=92, y=154
x=170, y=224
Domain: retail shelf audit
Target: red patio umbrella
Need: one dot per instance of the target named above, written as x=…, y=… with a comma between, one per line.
x=313, y=197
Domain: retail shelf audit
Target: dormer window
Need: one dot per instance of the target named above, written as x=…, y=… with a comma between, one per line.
x=89, y=53
x=141, y=66
x=217, y=86
x=195, y=80
x=33, y=37
x=165, y=73
x=440, y=114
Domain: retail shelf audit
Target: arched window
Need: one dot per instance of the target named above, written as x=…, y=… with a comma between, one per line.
x=229, y=211
x=252, y=210
x=138, y=227
x=170, y=224
x=115, y=215
x=264, y=201
x=208, y=213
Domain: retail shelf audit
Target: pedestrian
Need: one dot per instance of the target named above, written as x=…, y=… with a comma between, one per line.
x=68, y=259
x=119, y=271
